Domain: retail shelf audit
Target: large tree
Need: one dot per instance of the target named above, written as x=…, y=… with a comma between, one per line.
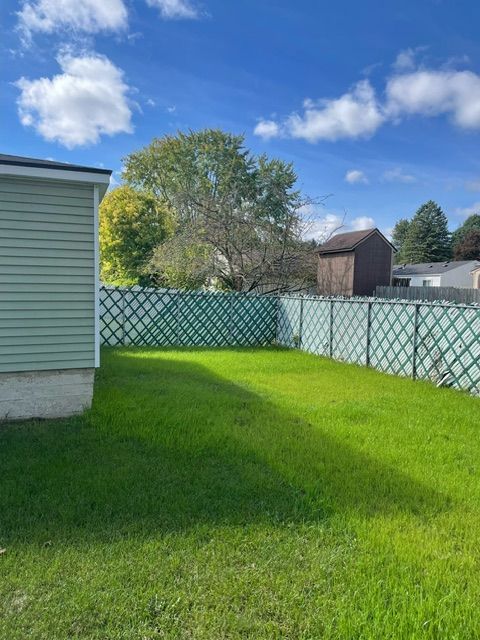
x=183, y=262
x=132, y=224
x=427, y=238
x=469, y=246
x=245, y=210
x=399, y=235
x=472, y=223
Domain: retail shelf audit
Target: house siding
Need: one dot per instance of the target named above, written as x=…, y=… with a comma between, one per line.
x=417, y=281
x=47, y=275
x=460, y=276
x=476, y=279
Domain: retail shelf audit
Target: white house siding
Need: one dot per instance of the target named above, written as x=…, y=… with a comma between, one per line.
x=418, y=281
x=459, y=277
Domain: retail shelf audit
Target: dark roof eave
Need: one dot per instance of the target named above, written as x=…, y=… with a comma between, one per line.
x=349, y=250
x=18, y=161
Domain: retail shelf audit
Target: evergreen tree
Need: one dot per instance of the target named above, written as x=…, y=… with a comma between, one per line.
x=428, y=238
x=399, y=234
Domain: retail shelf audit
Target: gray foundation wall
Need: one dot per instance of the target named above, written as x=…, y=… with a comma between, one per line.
x=45, y=394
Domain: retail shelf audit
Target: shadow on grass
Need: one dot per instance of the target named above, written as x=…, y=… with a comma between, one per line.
x=169, y=446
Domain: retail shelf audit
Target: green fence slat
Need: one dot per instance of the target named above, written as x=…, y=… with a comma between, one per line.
x=391, y=337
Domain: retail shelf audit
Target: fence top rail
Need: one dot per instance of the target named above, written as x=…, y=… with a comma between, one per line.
x=239, y=294
x=410, y=303
x=185, y=292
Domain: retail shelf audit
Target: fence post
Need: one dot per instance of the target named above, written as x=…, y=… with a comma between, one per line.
x=177, y=319
x=300, y=324
x=415, y=332
x=230, y=321
x=369, y=326
x=330, y=341
x=123, y=317
x=277, y=320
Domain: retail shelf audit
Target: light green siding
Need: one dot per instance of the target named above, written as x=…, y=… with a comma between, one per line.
x=47, y=275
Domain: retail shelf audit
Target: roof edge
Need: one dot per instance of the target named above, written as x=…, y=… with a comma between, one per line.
x=321, y=251
x=34, y=163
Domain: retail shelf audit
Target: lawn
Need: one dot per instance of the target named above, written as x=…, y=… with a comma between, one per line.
x=243, y=493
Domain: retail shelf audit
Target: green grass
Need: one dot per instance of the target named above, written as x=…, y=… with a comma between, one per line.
x=244, y=493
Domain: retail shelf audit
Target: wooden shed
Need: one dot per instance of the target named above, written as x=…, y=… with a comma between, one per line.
x=354, y=263
x=49, y=323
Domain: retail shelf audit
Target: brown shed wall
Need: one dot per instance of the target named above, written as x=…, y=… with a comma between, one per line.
x=373, y=266
x=335, y=274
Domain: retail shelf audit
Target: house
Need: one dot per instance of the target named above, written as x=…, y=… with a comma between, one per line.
x=476, y=277
x=435, y=274
x=354, y=263
x=49, y=339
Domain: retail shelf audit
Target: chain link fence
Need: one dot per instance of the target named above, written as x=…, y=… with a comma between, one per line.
x=428, y=341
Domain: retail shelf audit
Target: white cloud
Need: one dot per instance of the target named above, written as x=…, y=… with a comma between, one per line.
x=87, y=100
x=361, y=223
x=88, y=16
x=267, y=129
x=355, y=114
x=175, y=9
x=409, y=91
x=465, y=212
x=405, y=61
x=473, y=185
x=320, y=228
x=431, y=93
x=397, y=175
x=323, y=227
x=356, y=177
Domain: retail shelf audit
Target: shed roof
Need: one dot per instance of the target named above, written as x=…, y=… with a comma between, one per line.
x=349, y=240
x=21, y=161
x=429, y=268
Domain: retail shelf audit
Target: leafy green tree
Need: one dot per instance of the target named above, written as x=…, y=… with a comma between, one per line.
x=399, y=234
x=245, y=209
x=182, y=262
x=132, y=224
x=469, y=247
x=472, y=223
x=428, y=238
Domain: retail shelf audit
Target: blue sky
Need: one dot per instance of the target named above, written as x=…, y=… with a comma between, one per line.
x=376, y=103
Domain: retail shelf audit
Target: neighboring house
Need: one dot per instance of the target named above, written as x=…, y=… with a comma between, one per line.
x=476, y=277
x=435, y=274
x=49, y=339
x=354, y=263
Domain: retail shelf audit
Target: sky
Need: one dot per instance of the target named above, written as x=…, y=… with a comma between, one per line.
x=376, y=103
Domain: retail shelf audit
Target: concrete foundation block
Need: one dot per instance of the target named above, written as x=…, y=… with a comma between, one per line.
x=45, y=394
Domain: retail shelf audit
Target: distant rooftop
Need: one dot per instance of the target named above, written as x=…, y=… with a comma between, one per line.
x=21, y=161
x=348, y=241
x=430, y=268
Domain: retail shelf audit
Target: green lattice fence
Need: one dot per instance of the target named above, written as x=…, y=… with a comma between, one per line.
x=429, y=341
x=161, y=318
